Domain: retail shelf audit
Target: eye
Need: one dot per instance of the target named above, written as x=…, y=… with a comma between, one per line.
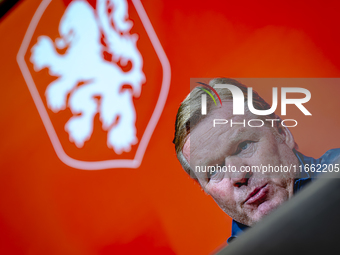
x=211, y=173
x=243, y=146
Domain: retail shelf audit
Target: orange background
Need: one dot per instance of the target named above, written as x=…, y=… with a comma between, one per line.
x=47, y=207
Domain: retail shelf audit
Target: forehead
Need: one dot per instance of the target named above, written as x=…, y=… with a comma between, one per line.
x=207, y=129
x=204, y=133
x=206, y=141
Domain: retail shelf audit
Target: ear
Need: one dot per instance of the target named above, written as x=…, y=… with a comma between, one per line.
x=287, y=136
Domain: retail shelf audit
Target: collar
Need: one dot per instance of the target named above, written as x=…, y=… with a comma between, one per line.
x=304, y=175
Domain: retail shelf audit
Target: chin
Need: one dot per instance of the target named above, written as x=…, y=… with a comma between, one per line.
x=264, y=209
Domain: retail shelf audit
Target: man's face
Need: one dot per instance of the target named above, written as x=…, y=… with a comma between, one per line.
x=246, y=197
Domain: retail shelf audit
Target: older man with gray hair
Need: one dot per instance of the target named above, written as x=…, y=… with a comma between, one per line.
x=246, y=196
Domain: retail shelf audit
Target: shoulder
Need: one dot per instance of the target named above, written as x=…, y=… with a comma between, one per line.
x=312, y=168
x=330, y=156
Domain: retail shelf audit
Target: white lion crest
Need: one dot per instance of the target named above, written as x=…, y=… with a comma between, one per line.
x=87, y=83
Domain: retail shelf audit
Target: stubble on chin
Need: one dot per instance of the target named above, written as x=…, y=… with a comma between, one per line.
x=277, y=195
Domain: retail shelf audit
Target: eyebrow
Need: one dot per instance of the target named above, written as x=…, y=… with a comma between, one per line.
x=235, y=137
x=231, y=141
x=238, y=136
x=225, y=147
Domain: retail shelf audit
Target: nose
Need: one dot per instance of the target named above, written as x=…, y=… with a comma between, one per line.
x=242, y=175
x=241, y=178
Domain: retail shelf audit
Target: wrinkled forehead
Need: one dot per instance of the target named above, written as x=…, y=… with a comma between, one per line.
x=218, y=119
x=213, y=128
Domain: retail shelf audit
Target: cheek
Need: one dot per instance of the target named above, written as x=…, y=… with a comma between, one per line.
x=278, y=196
x=222, y=193
x=282, y=188
x=270, y=151
x=271, y=146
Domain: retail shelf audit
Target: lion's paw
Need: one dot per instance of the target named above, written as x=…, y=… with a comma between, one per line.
x=55, y=97
x=79, y=129
x=122, y=137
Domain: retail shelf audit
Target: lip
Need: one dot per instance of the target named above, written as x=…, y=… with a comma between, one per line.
x=257, y=194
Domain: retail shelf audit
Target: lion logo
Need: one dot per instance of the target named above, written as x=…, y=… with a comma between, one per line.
x=88, y=84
